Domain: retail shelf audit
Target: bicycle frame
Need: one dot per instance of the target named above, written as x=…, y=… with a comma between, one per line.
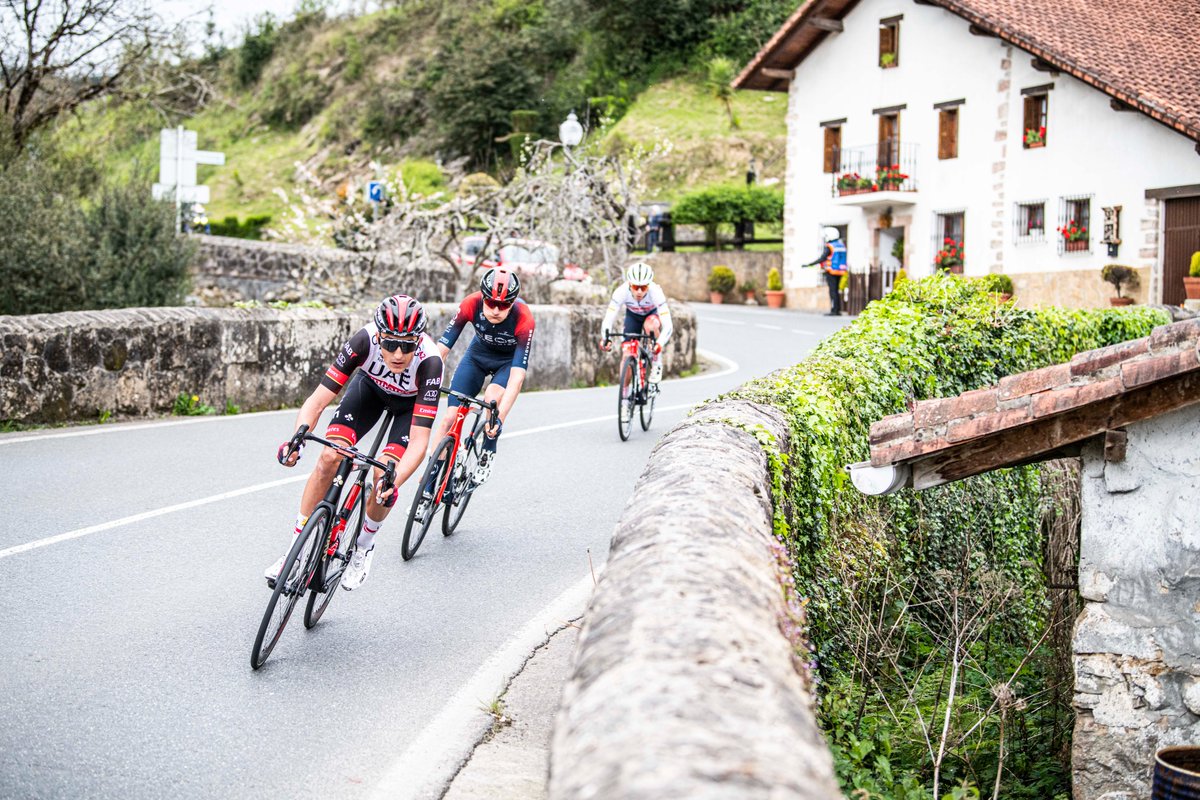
x=633, y=345
x=454, y=432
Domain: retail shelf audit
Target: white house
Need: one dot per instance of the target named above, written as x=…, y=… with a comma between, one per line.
x=1009, y=119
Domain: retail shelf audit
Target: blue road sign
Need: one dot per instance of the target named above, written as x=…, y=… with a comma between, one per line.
x=375, y=191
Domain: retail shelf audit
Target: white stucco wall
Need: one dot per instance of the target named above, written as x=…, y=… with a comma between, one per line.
x=1136, y=644
x=1091, y=149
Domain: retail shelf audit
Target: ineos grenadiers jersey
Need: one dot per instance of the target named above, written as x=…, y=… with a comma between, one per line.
x=514, y=335
x=653, y=302
x=420, y=381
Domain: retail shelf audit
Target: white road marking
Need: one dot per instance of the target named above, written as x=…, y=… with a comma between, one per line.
x=158, y=512
x=805, y=332
x=725, y=321
x=428, y=765
x=768, y=327
x=122, y=427
x=216, y=498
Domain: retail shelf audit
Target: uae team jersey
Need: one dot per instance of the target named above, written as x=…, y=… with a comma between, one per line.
x=653, y=302
x=513, y=336
x=418, y=382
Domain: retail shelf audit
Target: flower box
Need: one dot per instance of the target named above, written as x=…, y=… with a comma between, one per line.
x=1077, y=246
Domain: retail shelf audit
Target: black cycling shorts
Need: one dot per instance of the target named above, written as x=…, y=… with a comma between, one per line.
x=361, y=407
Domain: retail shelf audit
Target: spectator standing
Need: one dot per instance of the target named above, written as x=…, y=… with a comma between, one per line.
x=832, y=261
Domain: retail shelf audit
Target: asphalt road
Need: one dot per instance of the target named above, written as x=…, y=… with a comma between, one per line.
x=132, y=557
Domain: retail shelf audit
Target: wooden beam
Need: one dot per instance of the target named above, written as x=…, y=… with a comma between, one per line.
x=825, y=24
x=1038, y=440
x=1044, y=66
x=778, y=74
x=1117, y=105
x=978, y=31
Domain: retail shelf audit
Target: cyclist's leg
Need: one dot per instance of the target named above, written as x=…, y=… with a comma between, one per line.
x=492, y=394
x=468, y=379
x=653, y=326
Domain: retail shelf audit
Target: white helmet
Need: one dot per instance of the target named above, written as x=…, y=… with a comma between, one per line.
x=830, y=233
x=639, y=273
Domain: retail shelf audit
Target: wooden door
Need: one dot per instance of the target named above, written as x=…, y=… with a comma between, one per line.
x=1181, y=238
x=889, y=140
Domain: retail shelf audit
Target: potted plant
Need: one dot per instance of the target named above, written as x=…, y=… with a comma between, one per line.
x=887, y=60
x=1075, y=237
x=1001, y=286
x=748, y=288
x=1121, y=277
x=847, y=183
x=720, y=283
x=867, y=185
x=775, y=293
x=1035, y=137
x=889, y=177
x=1191, y=284
x=950, y=257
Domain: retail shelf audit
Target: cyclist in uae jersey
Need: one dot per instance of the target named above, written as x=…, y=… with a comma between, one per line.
x=503, y=338
x=392, y=364
x=646, y=310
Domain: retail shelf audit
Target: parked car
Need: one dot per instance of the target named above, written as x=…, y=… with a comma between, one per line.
x=523, y=256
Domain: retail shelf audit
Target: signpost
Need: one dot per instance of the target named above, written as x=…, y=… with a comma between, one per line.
x=177, y=160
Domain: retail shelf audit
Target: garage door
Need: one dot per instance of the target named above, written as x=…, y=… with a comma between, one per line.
x=1181, y=238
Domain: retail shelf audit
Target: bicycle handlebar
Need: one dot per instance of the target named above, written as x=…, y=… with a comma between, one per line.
x=388, y=467
x=468, y=399
x=614, y=335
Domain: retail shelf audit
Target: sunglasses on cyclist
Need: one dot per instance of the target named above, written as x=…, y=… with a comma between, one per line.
x=498, y=305
x=640, y=287
x=403, y=345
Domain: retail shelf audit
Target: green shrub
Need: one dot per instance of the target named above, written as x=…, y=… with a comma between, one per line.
x=257, y=48
x=422, y=177
x=879, y=572
x=721, y=280
x=998, y=283
x=1194, y=268
x=728, y=204
x=774, y=280
x=252, y=228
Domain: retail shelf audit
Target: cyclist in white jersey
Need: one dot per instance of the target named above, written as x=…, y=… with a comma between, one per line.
x=646, y=310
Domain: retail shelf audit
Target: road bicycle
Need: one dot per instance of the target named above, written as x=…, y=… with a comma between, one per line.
x=633, y=388
x=449, y=487
x=323, y=548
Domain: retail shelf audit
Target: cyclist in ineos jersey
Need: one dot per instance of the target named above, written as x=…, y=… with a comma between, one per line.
x=389, y=363
x=503, y=338
x=646, y=310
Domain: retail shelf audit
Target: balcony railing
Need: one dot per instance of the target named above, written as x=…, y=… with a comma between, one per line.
x=881, y=167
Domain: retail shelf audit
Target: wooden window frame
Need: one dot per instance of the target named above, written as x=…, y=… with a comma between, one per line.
x=888, y=147
x=889, y=42
x=832, y=149
x=1068, y=209
x=943, y=226
x=948, y=133
x=1036, y=115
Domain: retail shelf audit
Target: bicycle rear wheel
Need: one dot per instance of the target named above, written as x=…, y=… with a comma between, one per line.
x=293, y=581
x=626, y=397
x=420, y=515
x=462, y=483
x=646, y=411
x=353, y=511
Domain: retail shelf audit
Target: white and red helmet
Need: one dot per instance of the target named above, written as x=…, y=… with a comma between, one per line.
x=400, y=315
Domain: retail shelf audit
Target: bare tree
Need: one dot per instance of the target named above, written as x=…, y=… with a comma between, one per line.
x=57, y=54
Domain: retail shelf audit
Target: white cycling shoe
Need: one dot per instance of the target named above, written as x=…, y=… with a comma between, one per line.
x=272, y=572
x=357, y=570
x=483, y=470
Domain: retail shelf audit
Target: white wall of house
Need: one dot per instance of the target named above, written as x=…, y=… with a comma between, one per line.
x=1091, y=150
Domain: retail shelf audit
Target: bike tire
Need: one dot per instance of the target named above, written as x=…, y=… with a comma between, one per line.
x=626, y=398
x=319, y=598
x=462, y=484
x=646, y=411
x=434, y=475
x=298, y=567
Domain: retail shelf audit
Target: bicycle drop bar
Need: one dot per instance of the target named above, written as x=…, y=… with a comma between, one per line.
x=468, y=399
x=349, y=452
x=617, y=335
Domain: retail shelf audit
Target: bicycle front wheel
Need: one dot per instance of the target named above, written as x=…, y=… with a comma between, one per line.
x=292, y=583
x=462, y=483
x=353, y=511
x=420, y=514
x=646, y=411
x=626, y=398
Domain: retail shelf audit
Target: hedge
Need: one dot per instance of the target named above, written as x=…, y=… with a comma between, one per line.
x=879, y=574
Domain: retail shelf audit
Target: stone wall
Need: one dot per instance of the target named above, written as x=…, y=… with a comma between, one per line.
x=227, y=270
x=74, y=366
x=684, y=683
x=1137, y=653
x=684, y=276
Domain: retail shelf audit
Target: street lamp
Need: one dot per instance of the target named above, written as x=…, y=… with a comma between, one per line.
x=570, y=133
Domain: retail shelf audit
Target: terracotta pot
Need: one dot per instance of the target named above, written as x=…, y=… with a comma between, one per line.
x=854, y=190
x=1035, y=144
x=775, y=299
x=1077, y=246
x=749, y=297
x=1120, y=301
x=1192, y=287
x=716, y=298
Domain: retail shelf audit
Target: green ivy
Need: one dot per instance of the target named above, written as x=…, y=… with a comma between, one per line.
x=901, y=556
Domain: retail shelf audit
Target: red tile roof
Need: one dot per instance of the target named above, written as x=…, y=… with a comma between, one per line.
x=1095, y=389
x=1140, y=52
